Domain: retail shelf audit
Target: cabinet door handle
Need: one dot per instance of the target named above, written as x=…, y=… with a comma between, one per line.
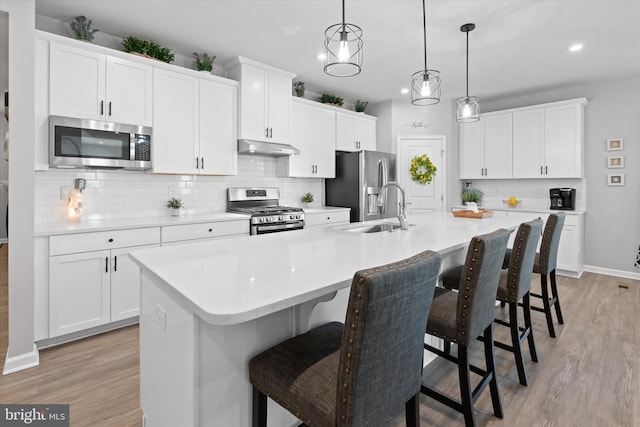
x=541, y=170
x=202, y=164
x=486, y=172
x=101, y=108
x=546, y=170
x=106, y=264
x=109, y=108
x=197, y=162
x=270, y=132
x=115, y=263
x=266, y=132
x=110, y=240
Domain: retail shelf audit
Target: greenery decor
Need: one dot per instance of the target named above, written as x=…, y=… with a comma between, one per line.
x=307, y=198
x=82, y=28
x=360, y=106
x=147, y=47
x=332, y=99
x=204, y=62
x=471, y=195
x=174, y=203
x=422, y=169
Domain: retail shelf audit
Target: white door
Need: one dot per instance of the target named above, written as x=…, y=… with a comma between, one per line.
x=562, y=142
x=429, y=197
x=345, y=133
x=218, y=129
x=324, y=144
x=302, y=128
x=125, y=284
x=528, y=144
x=471, y=149
x=279, y=107
x=497, y=146
x=366, y=131
x=253, y=103
x=129, y=92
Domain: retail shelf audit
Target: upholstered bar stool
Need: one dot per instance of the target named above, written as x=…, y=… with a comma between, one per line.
x=514, y=285
x=363, y=374
x=545, y=265
x=462, y=316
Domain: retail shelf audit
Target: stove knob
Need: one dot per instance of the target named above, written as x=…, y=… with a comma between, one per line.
x=298, y=216
x=281, y=218
x=261, y=219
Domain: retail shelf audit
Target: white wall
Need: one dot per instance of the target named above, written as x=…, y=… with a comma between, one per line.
x=21, y=352
x=117, y=194
x=4, y=85
x=613, y=213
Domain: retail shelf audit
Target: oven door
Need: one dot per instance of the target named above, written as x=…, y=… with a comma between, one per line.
x=277, y=227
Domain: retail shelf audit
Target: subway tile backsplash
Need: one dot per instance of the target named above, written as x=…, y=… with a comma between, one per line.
x=122, y=194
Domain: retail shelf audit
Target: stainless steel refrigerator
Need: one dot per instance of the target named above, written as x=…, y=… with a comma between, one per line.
x=359, y=177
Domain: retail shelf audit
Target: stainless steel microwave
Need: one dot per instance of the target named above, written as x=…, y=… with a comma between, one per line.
x=81, y=143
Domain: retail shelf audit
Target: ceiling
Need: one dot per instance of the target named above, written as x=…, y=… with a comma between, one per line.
x=518, y=46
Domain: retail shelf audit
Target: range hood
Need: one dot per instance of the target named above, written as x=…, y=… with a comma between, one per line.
x=246, y=146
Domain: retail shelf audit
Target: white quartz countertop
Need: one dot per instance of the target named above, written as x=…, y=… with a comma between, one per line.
x=119, y=224
x=525, y=209
x=235, y=280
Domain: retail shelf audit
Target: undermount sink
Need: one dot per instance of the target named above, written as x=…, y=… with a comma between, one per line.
x=377, y=228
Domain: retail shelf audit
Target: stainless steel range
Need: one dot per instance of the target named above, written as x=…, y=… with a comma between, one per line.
x=267, y=216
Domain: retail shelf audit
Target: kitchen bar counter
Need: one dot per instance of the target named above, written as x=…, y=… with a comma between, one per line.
x=207, y=308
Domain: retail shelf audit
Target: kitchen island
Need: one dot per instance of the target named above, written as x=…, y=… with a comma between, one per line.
x=207, y=308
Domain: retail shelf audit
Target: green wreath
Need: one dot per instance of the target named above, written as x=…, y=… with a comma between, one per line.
x=422, y=169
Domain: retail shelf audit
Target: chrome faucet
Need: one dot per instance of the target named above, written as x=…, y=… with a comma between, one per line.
x=402, y=215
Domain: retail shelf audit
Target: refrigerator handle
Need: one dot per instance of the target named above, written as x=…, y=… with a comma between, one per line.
x=383, y=178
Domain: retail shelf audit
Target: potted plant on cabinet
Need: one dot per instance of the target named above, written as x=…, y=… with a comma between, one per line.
x=175, y=204
x=332, y=100
x=204, y=62
x=147, y=48
x=82, y=28
x=360, y=106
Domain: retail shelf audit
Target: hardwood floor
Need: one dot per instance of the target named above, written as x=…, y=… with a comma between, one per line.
x=588, y=376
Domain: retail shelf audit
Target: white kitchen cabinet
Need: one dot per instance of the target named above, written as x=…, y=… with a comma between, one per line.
x=91, y=85
x=194, y=125
x=92, y=282
x=186, y=233
x=547, y=142
x=326, y=217
x=355, y=132
x=265, y=100
x=485, y=147
x=313, y=132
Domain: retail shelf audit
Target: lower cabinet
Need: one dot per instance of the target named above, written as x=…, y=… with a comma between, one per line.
x=92, y=281
x=332, y=217
x=187, y=233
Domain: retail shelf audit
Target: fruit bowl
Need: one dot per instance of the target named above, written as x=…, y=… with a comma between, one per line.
x=512, y=202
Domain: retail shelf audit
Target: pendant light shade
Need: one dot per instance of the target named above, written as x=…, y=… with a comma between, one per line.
x=425, y=84
x=343, y=43
x=468, y=108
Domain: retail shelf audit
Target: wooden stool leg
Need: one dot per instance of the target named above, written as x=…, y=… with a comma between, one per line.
x=547, y=306
x=491, y=367
x=259, y=409
x=465, y=386
x=412, y=411
x=556, y=299
x=515, y=342
x=526, y=307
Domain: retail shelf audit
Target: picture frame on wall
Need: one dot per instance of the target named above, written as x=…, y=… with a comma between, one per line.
x=615, y=144
x=614, y=162
x=616, y=179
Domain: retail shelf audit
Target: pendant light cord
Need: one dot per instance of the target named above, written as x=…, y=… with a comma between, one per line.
x=343, y=23
x=424, y=25
x=467, y=64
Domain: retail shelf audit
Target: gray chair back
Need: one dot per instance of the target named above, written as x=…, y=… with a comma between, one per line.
x=522, y=259
x=479, y=284
x=550, y=242
x=382, y=344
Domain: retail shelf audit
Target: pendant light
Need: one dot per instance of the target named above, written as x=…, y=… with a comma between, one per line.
x=425, y=84
x=343, y=43
x=468, y=108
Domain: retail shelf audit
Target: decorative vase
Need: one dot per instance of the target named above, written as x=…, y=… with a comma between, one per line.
x=175, y=211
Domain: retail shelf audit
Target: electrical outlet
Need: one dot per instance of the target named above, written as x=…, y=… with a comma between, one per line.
x=161, y=317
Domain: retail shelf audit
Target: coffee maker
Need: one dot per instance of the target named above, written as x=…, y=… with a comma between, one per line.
x=563, y=198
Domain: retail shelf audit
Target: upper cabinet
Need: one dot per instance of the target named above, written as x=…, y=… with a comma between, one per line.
x=91, y=85
x=355, y=132
x=264, y=100
x=548, y=141
x=541, y=141
x=485, y=147
x=194, y=126
x=313, y=132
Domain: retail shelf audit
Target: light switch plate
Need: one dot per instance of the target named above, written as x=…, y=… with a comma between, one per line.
x=161, y=317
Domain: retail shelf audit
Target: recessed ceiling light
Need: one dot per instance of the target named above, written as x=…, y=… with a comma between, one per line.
x=576, y=47
x=322, y=56
x=404, y=90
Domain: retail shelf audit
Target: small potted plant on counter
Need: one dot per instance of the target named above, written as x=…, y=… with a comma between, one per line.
x=471, y=195
x=204, y=62
x=175, y=204
x=307, y=199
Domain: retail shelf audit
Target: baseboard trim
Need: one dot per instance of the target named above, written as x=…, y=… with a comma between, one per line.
x=21, y=362
x=612, y=272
